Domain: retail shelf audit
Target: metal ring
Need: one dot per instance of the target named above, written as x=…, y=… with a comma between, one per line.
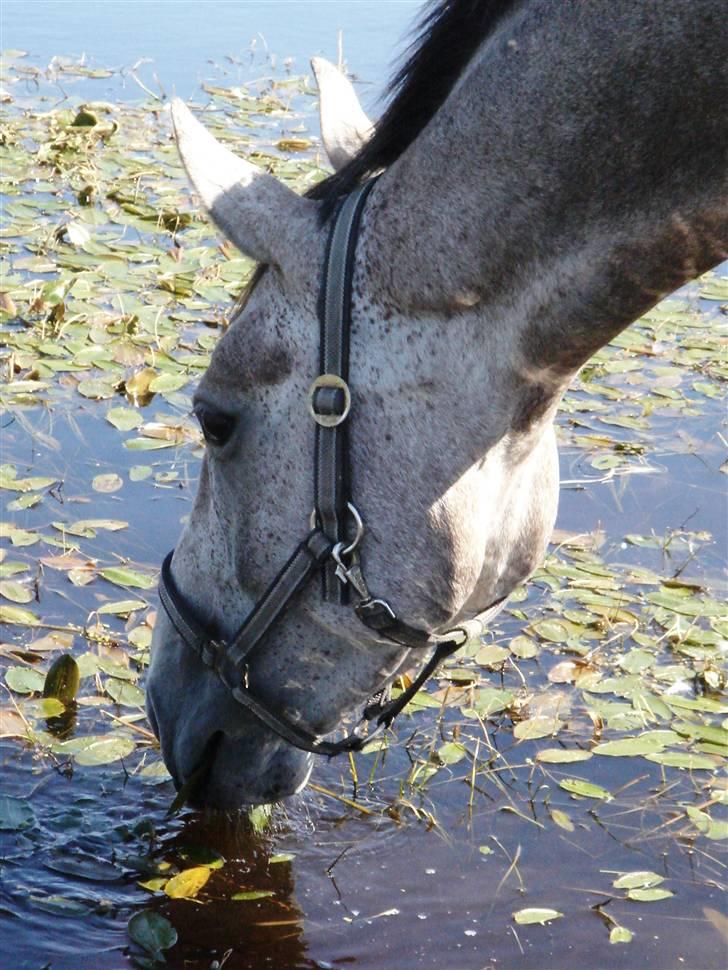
x=329, y=380
x=358, y=522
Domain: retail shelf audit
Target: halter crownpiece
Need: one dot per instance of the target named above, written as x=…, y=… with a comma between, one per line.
x=329, y=548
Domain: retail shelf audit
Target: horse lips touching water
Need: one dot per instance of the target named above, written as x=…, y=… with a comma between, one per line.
x=549, y=171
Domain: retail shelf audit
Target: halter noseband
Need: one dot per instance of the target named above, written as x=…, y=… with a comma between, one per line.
x=328, y=548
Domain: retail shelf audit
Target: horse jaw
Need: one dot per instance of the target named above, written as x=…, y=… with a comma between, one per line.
x=252, y=209
x=345, y=128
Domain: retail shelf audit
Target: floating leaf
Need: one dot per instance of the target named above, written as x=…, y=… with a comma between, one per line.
x=62, y=679
x=24, y=680
x=620, y=934
x=16, y=814
x=124, y=419
x=105, y=751
x=155, y=773
x=649, y=895
x=123, y=576
x=525, y=917
x=187, y=884
x=152, y=932
x=683, y=759
x=16, y=592
x=451, y=753
x=537, y=727
x=558, y=756
x=97, y=389
x=641, y=879
x=628, y=747
x=125, y=693
x=585, y=789
x=82, y=865
x=60, y=905
x=165, y=383
x=122, y=607
x=107, y=483
x=490, y=700
x=86, y=528
x=253, y=894
x=523, y=647
x=562, y=820
x=491, y=655
x=148, y=444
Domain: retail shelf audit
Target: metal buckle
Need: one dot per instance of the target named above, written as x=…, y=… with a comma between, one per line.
x=212, y=651
x=377, y=602
x=329, y=380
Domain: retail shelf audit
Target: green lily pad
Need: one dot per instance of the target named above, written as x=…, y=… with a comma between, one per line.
x=584, y=789
x=684, y=759
x=152, y=932
x=526, y=917
x=642, y=879
x=124, y=576
x=649, y=895
x=105, y=751
x=17, y=616
x=16, y=814
x=24, y=680
x=558, y=756
x=16, y=592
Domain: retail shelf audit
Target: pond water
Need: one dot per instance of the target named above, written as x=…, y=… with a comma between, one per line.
x=570, y=763
x=185, y=41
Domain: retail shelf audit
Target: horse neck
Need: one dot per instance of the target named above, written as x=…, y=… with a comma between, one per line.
x=575, y=174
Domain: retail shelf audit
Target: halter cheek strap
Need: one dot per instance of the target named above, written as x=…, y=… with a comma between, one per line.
x=330, y=548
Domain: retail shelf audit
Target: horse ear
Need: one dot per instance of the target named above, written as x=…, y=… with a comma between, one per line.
x=250, y=207
x=344, y=126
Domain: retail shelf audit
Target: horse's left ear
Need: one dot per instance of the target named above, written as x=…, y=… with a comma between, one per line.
x=253, y=209
x=344, y=126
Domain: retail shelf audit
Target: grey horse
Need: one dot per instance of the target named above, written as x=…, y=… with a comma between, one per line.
x=547, y=172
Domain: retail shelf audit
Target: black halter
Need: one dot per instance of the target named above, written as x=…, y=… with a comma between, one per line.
x=329, y=548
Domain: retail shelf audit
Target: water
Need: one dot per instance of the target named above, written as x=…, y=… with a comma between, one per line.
x=183, y=39
x=419, y=871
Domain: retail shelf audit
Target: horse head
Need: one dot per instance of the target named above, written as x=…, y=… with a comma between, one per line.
x=491, y=259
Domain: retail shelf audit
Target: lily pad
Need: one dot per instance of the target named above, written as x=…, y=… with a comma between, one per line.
x=641, y=879
x=124, y=576
x=188, y=883
x=16, y=814
x=105, y=751
x=526, y=917
x=584, y=789
x=153, y=933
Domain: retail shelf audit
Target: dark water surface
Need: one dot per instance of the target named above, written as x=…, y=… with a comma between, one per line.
x=418, y=855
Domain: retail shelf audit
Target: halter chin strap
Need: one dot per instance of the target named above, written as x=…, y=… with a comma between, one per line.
x=327, y=548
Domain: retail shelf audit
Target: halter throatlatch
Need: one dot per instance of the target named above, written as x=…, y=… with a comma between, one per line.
x=332, y=546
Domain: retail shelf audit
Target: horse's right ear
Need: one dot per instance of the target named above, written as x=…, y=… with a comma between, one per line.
x=261, y=215
x=344, y=126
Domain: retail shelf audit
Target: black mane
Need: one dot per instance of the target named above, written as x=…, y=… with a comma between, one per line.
x=448, y=36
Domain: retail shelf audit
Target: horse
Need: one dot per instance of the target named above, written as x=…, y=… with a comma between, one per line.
x=544, y=173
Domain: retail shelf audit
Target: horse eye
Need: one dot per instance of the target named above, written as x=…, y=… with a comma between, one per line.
x=216, y=425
